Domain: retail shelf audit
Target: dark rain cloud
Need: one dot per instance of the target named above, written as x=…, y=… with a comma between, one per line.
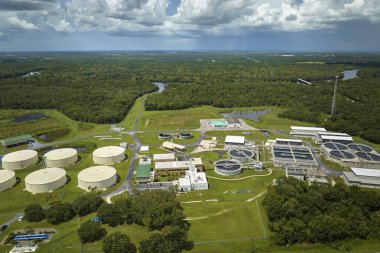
x=16, y=5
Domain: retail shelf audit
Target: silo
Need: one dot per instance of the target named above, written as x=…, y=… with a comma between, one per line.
x=7, y=179
x=19, y=159
x=97, y=177
x=45, y=180
x=61, y=157
x=108, y=155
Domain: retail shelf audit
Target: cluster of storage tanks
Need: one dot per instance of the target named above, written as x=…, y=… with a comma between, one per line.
x=54, y=176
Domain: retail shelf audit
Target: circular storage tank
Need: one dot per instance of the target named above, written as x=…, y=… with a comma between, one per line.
x=45, y=180
x=99, y=177
x=19, y=159
x=241, y=154
x=163, y=136
x=185, y=136
x=227, y=167
x=108, y=155
x=7, y=179
x=61, y=157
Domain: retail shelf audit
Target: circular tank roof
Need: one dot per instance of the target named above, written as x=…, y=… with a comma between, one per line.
x=241, y=153
x=108, y=151
x=228, y=165
x=6, y=175
x=62, y=153
x=45, y=176
x=96, y=174
x=18, y=156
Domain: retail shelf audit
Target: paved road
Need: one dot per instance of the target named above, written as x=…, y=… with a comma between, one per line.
x=12, y=220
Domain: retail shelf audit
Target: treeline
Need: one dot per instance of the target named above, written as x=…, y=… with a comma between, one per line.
x=357, y=113
x=158, y=210
x=323, y=213
x=88, y=89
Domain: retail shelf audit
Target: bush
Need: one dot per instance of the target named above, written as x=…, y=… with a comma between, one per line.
x=34, y=213
x=91, y=232
x=118, y=243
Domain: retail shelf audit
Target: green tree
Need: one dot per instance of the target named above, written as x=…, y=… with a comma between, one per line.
x=118, y=243
x=58, y=213
x=86, y=204
x=111, y=214
x=91, y=232
x=34, y=213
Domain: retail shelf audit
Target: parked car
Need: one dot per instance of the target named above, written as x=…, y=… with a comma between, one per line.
x=3, y=227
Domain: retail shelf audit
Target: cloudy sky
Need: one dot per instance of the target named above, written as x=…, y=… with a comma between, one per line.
x=344, y=25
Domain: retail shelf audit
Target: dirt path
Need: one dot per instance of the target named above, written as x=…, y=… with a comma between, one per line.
x=242, y=178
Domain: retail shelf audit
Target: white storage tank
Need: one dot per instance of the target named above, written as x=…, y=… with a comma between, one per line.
x=97, y=177
x=45, y=180
x=61, y=157
x=108, y=155
x=19, y=159
x=7, y=179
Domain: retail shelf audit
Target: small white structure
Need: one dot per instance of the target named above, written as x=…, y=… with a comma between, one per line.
x=19, y=159
x=7, y=179
x=164, y=157
x=45, y=180
x=145, y=161
x=23, y=248
x=97, y=177
x=124, y=145
x=61, y=157
x=108, y=155
x=193, y=180
x=232, y=141
x=306, y=131
x=144, y=149
x=172, y=146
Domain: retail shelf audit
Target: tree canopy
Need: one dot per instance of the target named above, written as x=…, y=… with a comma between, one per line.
x=301, y=213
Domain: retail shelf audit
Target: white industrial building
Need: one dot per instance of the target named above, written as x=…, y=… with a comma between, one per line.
x=193, y=180
x=61, y=157
x=7, y=179
x=233, y=141
x=144, y=149
x=363, y=177
x=97, y=177
x=45, y=180
x=344, y=139
x=108, y=155
x=306, y=131
x=19, y=159
x=167, y=157
x=293, y=142
x=173, y=146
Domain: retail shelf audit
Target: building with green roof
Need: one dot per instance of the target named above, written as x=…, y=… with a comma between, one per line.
x=17, y=140
x=144, y=173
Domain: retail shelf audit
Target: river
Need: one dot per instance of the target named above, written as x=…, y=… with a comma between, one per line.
x=161, y=86
x=350, y=74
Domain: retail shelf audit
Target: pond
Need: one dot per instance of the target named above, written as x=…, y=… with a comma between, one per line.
x=252, y=115
x=350, y=74
x=161, y=86
x=29, y=117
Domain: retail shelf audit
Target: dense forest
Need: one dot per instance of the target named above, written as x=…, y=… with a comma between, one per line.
x=323, y=213
x=101, y=87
